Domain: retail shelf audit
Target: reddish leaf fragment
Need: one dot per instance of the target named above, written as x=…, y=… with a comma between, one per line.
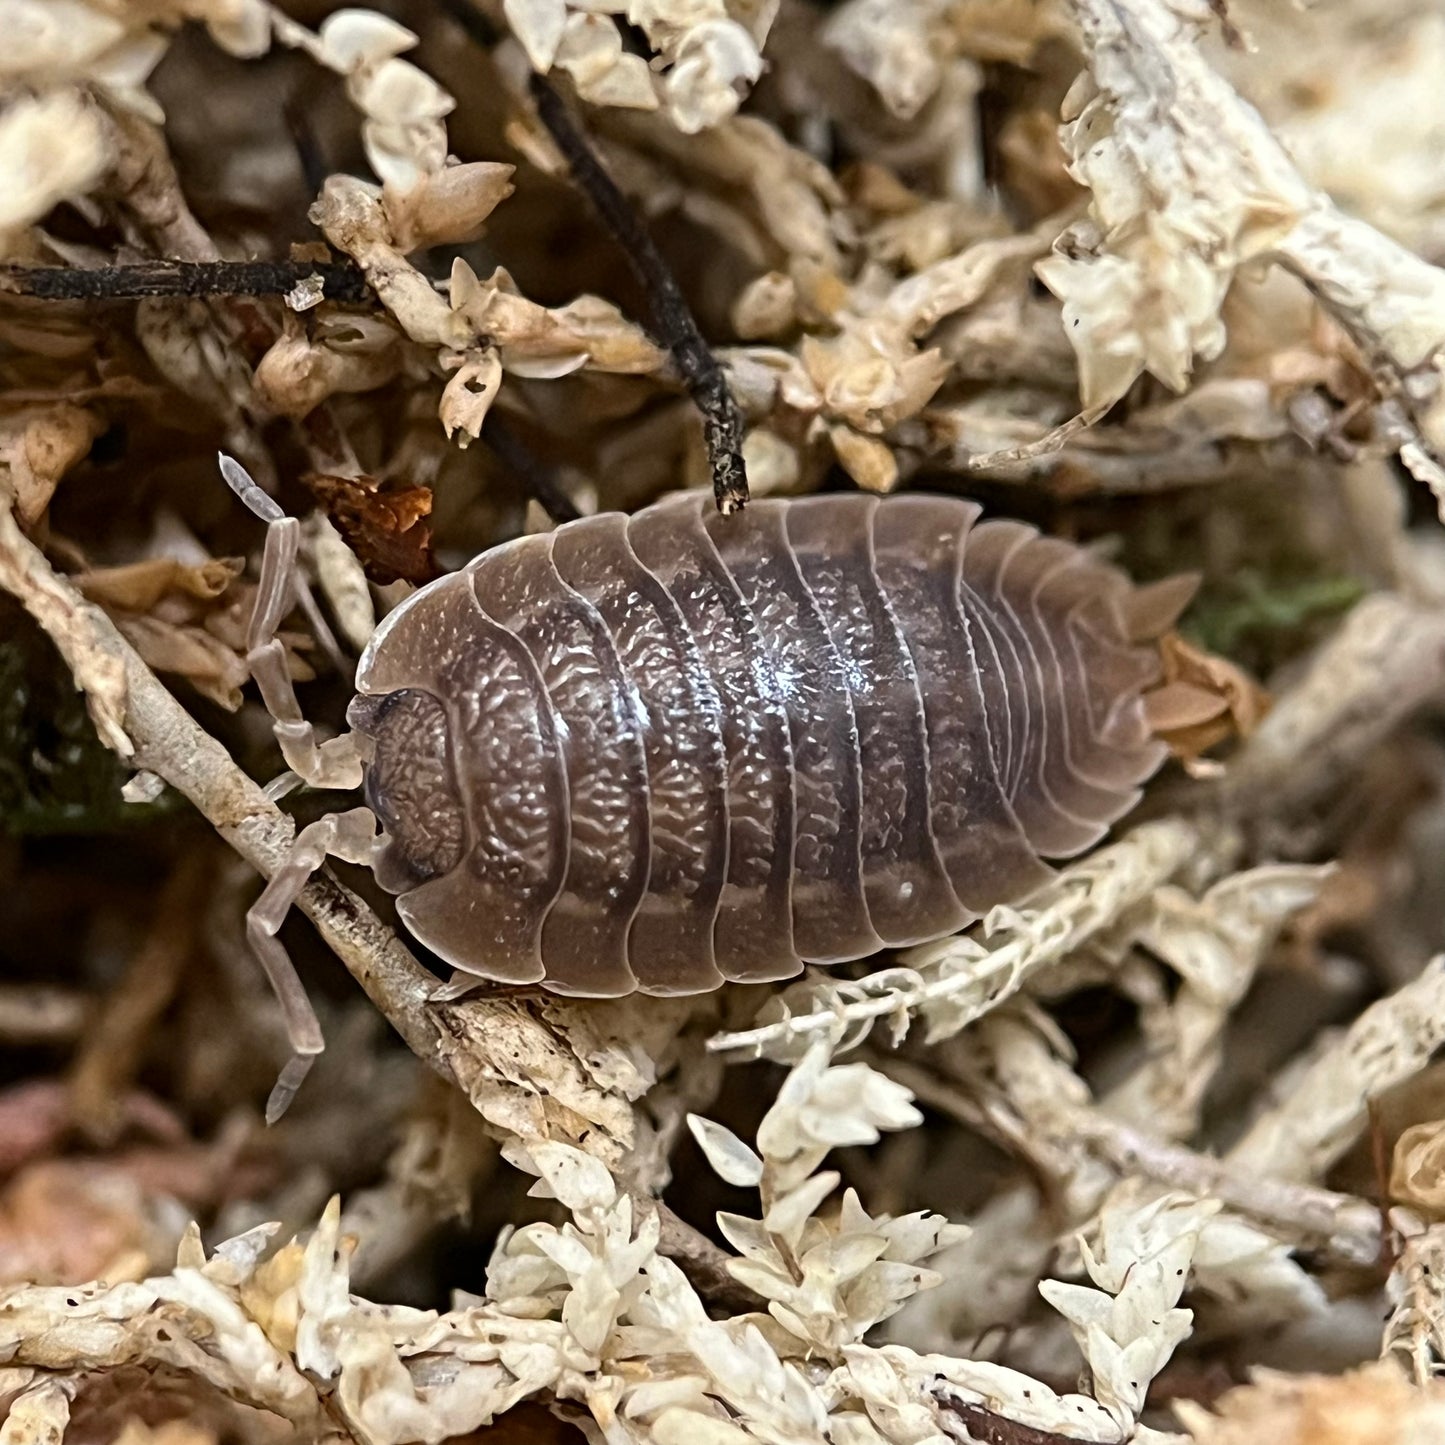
x=384, y=523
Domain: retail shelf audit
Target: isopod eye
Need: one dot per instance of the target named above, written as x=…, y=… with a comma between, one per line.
x=409, y=787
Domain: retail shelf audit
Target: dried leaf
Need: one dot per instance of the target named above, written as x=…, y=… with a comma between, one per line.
x=1202, y=701
x=383, y=522
x=215, y=669
x=140, y=586
x=39, y=448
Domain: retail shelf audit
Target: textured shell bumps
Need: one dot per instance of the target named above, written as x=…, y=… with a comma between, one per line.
x=663, y=751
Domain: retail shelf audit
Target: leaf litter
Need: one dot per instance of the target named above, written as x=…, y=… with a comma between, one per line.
x=1148, y=1157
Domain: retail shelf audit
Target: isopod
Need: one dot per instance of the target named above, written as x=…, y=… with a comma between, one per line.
x=664, y=751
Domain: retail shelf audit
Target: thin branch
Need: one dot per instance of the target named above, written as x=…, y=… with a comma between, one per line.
x=984, y=1427
x=1348, y=1228
x=673, y=323
x=113, y=1049
x=703, y=1263
x=1384, y=663
x=1307, y=1131
x=475, y=1042
x=131, y=280
x=536, y=476
x=672, y=318
x=1342, y=1226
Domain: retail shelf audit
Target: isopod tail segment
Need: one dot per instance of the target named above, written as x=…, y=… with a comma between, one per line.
x=332, y=763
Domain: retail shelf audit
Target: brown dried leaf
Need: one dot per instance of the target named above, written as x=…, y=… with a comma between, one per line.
x=215, y=670
x=1202, y=701
x=139, y=586
x=384, y=523
x=39, y=448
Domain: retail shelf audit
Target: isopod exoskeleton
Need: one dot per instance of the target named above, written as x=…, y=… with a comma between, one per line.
x=673, y=749
x=668, y=750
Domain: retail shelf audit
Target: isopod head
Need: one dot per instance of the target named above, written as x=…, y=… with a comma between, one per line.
x=409, y=786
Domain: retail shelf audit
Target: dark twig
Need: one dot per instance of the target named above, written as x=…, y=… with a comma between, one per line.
x=984, y=1427
x=128, y=281
x=673, y=323
x=535, y=475
x=672, y=318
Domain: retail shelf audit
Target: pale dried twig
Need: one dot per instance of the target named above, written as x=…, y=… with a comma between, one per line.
x=1384, y=663
x=1345, y=1228
x=515, y=1065
x=1326, y=1111
x=960, y=979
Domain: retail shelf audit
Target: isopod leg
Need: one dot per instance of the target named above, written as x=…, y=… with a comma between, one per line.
x=334, y=763
x=352, y=836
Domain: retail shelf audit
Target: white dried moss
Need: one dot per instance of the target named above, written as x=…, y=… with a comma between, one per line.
x=827, y=1281
x=67, y=50
x=951, y=983
x=706, y=53
x=1215, y=945
x=1129, y=1323
x=575, y=1309
x=1415, y=1327
x=1187, y=187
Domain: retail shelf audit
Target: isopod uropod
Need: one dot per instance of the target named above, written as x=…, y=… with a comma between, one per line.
x=672, y=749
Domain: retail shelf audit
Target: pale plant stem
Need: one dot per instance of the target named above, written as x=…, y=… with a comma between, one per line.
x=476, y=1042
x=1083, y=901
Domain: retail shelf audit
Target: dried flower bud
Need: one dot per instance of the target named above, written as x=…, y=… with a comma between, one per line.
x=1417, y=1176
x=447, y=207
x=469, y=394
x=766, y=307
x=51, y=148
x=869, y=461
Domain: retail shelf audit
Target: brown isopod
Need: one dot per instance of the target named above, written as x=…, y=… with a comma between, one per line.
x=673, y=749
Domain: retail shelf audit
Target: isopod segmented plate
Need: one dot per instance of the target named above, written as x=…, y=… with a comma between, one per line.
x=666, y=750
